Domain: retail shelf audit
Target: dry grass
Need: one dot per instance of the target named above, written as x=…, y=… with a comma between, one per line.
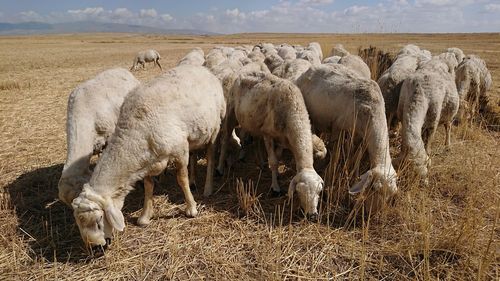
x=9, y=85
x=448, y=230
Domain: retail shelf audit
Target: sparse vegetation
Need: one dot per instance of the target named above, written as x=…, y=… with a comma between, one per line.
x=448, y=230
x=9, y=85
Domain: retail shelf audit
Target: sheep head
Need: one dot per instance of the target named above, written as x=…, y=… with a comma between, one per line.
x=96, y=217
x=377, y=186
x=308, y=185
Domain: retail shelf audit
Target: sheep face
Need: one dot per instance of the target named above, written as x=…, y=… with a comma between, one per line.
x=96, y=217
x=308, y=185
x=379, y=187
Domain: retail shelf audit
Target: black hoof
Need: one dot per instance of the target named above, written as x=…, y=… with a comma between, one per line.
x=275, y=194
x=312, y=217
x=193, y=187
x=218, y=174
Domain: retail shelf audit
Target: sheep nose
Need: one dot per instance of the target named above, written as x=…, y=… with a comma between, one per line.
x=313, y=217
x=98, y=250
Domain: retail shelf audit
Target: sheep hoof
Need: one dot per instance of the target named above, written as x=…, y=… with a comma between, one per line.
x=143, y=221
x=276, y=194
x=191, y=212
x=218, y=173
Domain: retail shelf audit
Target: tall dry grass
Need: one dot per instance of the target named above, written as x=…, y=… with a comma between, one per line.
x=447, y=230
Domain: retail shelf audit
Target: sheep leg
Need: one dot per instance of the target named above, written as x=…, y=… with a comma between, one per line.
x=209, y=181
x=183, y=181
x=227, y=128
x=447, y=127
x=273, y=164
x=147, y=210
x=158, y=63
x=192, y=170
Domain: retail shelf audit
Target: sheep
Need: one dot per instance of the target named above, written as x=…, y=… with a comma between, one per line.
x=409, y=49
x=298, y=48
x=309, y=55
x=338, y=99
x=146, y=56
x=428, y=98
x=274, y=108
x=214, y=57
x=339, y=50
x=473, y=80
x=237, y=55
x=194, y=57
x=448, y=58
x=287, y=52
x=356, y=64
x=316, y=47
x=273, y=60
x=332, y=59
x=292, y=69
x=459, y=54
x=256, y=56
x=93, y=109
x=390, y=84
x=159, y=123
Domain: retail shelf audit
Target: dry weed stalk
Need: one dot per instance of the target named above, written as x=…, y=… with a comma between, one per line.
x=248, y=199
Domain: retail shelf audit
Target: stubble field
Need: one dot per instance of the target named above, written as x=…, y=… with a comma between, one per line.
x=447, y=230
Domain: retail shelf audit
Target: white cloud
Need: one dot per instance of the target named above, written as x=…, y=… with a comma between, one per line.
x=166, y=17
x=316, y=2
x=492, y=8
x=30, y=16
x=148, y=13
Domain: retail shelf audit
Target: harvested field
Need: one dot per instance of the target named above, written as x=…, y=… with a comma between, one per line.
x=447, y=230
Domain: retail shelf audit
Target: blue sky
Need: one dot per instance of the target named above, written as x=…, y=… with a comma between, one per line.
x=225, y=16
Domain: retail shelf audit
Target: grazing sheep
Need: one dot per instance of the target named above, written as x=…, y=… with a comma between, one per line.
x=159, y=123
x=448, y=58
x=146, y=56
x=338, y=99
x=332, y=59
x=428, y=98
x=473, y=80
x=292, y=69
x=390, y=84
x=339, y=50
x=214, y=57
x=459, y=54
x=287, y=52
x=356, y=64
x=194, y=57
x=310, y=56
x=409, y=50
x=273, y=60
x=316, y=47
x=274, y=108
x=237, y=55
x=93, y=109
x=298, y=48
x=256, y=56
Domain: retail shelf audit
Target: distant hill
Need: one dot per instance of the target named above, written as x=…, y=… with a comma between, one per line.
x=88, y=26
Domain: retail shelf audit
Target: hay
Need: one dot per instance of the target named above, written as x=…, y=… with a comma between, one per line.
x=377, y=60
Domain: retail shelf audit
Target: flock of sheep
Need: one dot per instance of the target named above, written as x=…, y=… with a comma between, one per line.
x=282, y=93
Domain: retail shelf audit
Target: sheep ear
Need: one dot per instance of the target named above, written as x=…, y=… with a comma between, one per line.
x=291, y=188
x=363, y=183
x=115, y=217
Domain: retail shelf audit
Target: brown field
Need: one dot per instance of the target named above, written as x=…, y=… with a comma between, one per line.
x=447, y=230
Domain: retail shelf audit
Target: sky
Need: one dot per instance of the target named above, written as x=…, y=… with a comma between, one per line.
x=225, y=16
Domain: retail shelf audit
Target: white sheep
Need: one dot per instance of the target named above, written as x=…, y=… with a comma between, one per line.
x=256, y=56
x=391, y=80
x=332, y=59
x=448, y=58
x=214, y=57
x=339, y=50
x=459, y=54
x=473, y=80
x=146, y=56
x=309, y=55
x=428, y=98
x=274, y=108
x=292, y=69
x=93, y=109
x=273, y=60
x=194, y=57
x=287, y=52
x=316, y=47
x=356, y=64
x=159, y=123
x=338, y=99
